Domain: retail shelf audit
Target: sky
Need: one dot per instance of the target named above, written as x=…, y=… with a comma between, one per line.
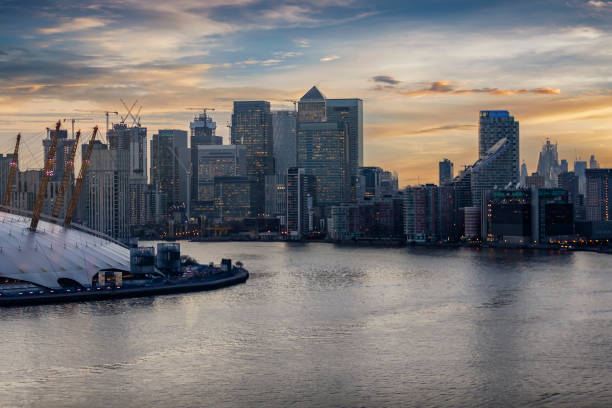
x=424, y=69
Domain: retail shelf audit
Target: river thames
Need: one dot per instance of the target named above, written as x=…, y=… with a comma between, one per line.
x=322, y=325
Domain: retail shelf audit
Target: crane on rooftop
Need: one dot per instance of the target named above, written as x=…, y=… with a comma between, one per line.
x=105, y=112
x=72, y=120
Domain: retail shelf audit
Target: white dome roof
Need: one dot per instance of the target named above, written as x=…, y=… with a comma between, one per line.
x=54, y=252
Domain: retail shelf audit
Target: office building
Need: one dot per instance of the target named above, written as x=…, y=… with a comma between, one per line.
x=322, y=150
x=593, y=164
x=252, y=127
x=598, y=187
x=535, y=180
x=203, y=133
x=569, y=182
x=285, y=139
x=445, y=172
x=498, y=152
x=564, y=166
x=217, y=161
x=349, y=113
x=508, y=216
x=232, y=197
x=169, y=165
x=300, y=202
x=524, y=174
x=389, y=183
x=552, y=215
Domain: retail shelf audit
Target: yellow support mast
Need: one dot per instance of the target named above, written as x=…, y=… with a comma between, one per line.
x=14, y=165
x=59, y=201
x=79, y=183
x=44, y=182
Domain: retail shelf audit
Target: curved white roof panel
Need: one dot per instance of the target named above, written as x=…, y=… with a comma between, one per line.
x=54, y=252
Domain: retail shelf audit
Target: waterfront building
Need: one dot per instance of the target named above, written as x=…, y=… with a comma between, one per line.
x=343, y=223
x=552, y=215
x=301, y=193
x=472, y=222
x=421, y=217
x=169, y=165
x=508, y=216
x=445, y=172
x=449, y=228
x=498, y=152
x=598, y=187
x=252, y=127
x=132, y=142
x=232, y=197
x=349, y=113
x=548, y=164
x=376, y=219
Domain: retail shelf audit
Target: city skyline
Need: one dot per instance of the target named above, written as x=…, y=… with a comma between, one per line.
x=546, y=63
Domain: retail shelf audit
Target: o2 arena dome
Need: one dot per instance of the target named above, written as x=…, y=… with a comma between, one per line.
x=54, y=256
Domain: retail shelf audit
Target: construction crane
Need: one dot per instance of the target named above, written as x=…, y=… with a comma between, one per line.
x=204, y=109
x=13, y=169
x=79, y=183
x=59, y=200
x=74, y=120
x=295, y=102
x=129, y=110
x=136, y=118
x=107, y=113
x=44, y=182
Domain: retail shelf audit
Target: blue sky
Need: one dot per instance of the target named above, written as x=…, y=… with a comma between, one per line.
x=424, y=69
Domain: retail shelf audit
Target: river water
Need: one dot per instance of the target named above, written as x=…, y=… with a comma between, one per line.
x=322, y=325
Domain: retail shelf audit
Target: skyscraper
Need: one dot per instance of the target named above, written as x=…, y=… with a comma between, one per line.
x=350, y=113
x=445, y=171
x=285, y=157
x=593, y=164
x=203, y=133
x=323, y=151
x=169, y=165
x=580, y=169
x=498, y=152
x=252, y=127
x=524, y=174
x=598, y=188
x=132, y=142
x=300, y=202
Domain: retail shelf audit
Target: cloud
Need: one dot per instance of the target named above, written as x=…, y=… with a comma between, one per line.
x=447, y=87
x=329, y=58
x=385, y=79
x=445, y=127
x=600, y=4
x=302, y=43
x=76, y=24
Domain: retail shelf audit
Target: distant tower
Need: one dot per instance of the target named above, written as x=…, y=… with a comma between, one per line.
x=445, y=171
x=548, y=164
x=593, y=164
x=524, y=174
